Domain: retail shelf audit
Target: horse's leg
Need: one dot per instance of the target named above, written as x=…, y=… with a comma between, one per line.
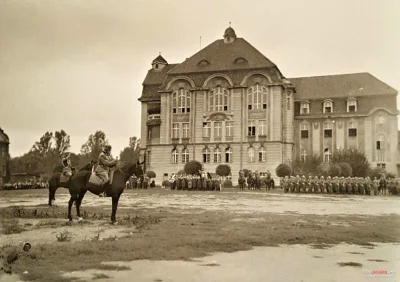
x=51, y=194
x=115, y=200
x=70, y=202
x=78, y=202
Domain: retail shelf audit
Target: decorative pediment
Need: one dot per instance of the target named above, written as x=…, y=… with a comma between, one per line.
x=218, y=116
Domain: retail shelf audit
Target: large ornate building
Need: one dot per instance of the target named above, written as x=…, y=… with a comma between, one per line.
x=228, y=103
x=4, y=158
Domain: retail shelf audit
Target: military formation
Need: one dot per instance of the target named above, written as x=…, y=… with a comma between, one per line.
x=337, y=185
x=25, y=185
x=202, y=182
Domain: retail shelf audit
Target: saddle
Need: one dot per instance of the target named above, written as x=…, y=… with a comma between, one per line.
x=63, y=178
x=96, y=180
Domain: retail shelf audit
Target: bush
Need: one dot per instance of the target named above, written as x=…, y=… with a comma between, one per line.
x=335, y=170
x=227, y=183
x=346, y=169
x=223, y=170
x=193, y=168
x=307, y=167
x=151, y=174
x=166, y=183
x=357, y=160
x=245, y=172
x=375, y=172
x=283, y=170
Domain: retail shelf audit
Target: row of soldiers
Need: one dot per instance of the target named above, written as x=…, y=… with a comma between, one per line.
x=25, y=185
x=204, y=182
x=335, y=185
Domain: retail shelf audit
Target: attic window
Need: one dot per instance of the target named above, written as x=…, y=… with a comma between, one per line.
x=240, y=60
x=203, y=63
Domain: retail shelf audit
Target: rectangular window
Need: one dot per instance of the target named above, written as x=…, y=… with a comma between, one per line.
x=175, y=130
x=217, y=129
x=328, y=109
x=352, y=132
x=381, y=165
x=304, y=133
x=262, y=127
x=352, y=108
x=251, y=128
x=379, y=145
x=185, y=129
x=304, y=108
x=328, y=133
x=229, y=128
x=206, y=129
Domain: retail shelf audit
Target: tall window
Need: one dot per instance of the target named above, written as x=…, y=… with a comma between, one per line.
x=175, y=130
x=148, y=157
x=185, y=130
x=328, y=107
x=206, y=155
x=303, y=155
x=327, y=155
x=328, y=129
x=217, y=155
x=257, y=97
x=262, y=127
x=352, y=128
x=251, y=128
x=251, y=154
x=352, y=105
x=262, y=154
x=305, y=108
x=185, y=156
x=175, y=156
x=304, y=130
x=218, y=99
x=228, y=155
x=206, y=129
x=217, y=129
x=181, y=101
x=229, y=128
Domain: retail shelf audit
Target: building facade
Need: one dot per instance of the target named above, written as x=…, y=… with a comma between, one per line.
x=228, y=103
x=4, y=158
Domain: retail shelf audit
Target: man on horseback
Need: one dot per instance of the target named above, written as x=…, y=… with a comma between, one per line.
x=105, y=162
x=67, y=168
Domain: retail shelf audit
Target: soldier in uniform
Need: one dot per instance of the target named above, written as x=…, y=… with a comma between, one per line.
x=105, y=162
x=67, y=168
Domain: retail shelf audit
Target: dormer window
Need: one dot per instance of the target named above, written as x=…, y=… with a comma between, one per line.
x=351, y=105
x=305, y=108
x=203, y=63
x=328, y=106
x=240, y=60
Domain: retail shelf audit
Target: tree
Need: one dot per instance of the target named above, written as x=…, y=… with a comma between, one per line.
x=193, y=168
x=44, y=145
x=335, y=170
x=357, y=160
x=94, y=145
x=131, y=153
x=283, y=170
x=62, y=142
x=223, y=170
x=307, y=167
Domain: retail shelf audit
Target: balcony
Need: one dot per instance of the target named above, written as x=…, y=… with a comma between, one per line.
x=154, y=119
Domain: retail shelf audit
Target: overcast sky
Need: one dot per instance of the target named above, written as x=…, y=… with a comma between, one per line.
x=79, y=65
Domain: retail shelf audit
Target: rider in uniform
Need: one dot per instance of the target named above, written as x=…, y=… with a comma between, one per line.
x=67, y=168
x=105, y=162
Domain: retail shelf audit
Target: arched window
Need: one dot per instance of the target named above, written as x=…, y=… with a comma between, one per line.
x=228, y=155
x=262, y=154
x=181, y=101
x=257, y=97
x=351, y=105
x=328, y=106
x=327, y=155
x=305, y=108
x=251, y=154
x=217, y=155
x=206, y=155
x=175, y=156
x=185, y=156
x=303, y=155
x=218, y=99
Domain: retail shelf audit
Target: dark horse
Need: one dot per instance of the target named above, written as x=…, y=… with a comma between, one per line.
x=79, y=185
x=54, y=182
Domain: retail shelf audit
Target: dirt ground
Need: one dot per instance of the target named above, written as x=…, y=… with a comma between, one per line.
x=159, y=224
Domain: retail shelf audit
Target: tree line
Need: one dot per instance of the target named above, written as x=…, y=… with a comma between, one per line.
x=45, y=156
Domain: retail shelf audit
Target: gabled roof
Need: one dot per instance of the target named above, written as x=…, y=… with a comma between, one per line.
x=342, y=85
x=4, y=137
x=222, y=56
x=160, y=59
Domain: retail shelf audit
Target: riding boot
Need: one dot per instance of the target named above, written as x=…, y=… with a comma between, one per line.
x=103, y=193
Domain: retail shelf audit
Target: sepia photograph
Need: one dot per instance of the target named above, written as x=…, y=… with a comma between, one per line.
x=188, y=141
